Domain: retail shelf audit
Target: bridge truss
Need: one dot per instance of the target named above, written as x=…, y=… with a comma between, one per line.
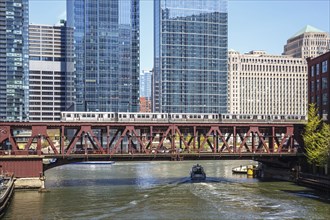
x=153, y=139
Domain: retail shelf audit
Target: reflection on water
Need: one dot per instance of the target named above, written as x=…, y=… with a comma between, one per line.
x=163, y=190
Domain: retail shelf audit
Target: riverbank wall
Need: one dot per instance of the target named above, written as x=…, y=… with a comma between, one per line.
x=28, y=183
x=315, y=181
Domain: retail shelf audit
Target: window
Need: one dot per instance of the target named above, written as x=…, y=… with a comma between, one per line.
x=312, y=71
x=324, y=83
x=317, y=69
x=325, y=99
x=324, y=66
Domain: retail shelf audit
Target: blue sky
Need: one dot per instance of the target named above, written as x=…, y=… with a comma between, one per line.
x=253, y=25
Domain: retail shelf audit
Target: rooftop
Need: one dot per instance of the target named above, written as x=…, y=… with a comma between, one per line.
x=307, y=28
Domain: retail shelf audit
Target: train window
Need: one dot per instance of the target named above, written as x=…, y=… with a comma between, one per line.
x=184, y=116
x=93, y=115
x=255, y=117
x=83, y=115
x=119, y=115
x=131, y=116
x=177, y=116
x=109, y=115
x=206, y=116
x=68, y=115
x=154, y=116
x=124, y=116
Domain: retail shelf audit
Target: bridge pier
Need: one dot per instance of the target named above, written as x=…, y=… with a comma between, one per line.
x=27, y=170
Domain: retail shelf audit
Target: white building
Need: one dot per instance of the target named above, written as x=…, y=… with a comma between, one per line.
x=48, y=72
x=259, y=83
x=308, y=42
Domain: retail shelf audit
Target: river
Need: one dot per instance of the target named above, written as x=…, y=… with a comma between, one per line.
x=163, y=190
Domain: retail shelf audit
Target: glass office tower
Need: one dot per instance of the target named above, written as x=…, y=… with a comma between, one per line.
x=14, y=60
x=106, y=47
x=190, y=63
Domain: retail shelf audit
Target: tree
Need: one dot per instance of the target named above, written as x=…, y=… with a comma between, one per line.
x=316, y=138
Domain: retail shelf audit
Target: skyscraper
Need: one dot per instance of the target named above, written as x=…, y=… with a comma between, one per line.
x=145, y=83
x=190, y=56
x=145, y=91
x=106, y=47
x=48, y=71
x=14, y=59
x=308, y=42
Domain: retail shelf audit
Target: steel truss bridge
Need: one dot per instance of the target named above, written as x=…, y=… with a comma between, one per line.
x=149, y=140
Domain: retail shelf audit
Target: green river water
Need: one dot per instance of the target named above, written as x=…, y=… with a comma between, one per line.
x=163, y=190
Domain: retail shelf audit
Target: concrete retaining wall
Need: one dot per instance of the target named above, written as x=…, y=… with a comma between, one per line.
x=28, y=183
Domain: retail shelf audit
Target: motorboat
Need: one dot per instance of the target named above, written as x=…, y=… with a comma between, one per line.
x=243, y=169
x=240, y=170
x=6, y=192
x=197, y=173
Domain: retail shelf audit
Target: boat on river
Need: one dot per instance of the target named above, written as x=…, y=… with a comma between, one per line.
x=197, y=173
x=243, y=169
x=6, y=192
x=240, y=170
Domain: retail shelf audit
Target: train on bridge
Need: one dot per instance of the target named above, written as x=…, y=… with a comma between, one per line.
x=177, y=117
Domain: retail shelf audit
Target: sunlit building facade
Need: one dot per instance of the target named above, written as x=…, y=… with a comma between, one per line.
x=264, y=84
x=106, y=48
x=190, y=56
x=14, y=60
x=49, y=74
x=308, y=42
x=145, y=83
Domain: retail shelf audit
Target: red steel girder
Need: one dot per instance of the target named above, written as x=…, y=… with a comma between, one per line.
x=86, y=131
x=144, y=135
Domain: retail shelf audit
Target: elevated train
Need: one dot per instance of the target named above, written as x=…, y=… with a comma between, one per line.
x=177, y=117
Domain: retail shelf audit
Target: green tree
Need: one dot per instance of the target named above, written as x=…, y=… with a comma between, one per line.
x=316, y=138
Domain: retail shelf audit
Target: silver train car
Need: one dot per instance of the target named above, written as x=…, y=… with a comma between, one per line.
x=177, y=117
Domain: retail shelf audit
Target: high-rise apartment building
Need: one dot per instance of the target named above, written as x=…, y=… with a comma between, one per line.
x=145, y=83
x=308, y=42
x=14, y=61
x=145, y=91
x=319, y=84
x=263, y=84
x=48, y=71
x=106, y=48
x=190, y=56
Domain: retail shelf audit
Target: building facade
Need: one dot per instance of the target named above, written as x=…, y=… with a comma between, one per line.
x=264, y=84
x=145, y=104
x=106, y=48
x=48, y=71
x=190, y=56
x=145, y=83
x=14, y=62
x=308, y=42
x=319, y=84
